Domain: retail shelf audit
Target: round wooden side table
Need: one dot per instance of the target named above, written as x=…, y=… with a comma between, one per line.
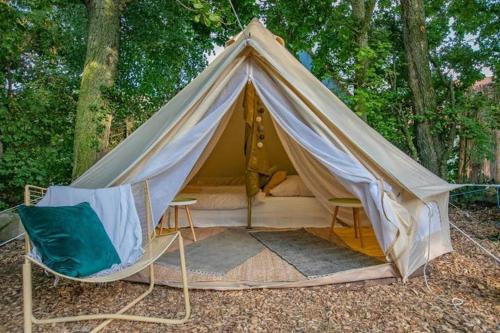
x=353, y=203
x=183, y=203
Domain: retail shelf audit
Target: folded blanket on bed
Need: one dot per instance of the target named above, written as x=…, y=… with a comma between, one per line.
x=220, y=197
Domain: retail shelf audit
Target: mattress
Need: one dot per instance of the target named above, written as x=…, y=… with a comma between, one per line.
x=273, y=212
x=220, y=197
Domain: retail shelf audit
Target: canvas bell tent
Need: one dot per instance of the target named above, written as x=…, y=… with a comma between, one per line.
x=255, y=109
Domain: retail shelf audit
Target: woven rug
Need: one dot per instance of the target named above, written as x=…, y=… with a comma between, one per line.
x=311, y=255
x=216, y=255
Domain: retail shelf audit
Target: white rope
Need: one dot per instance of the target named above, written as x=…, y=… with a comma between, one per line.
x=455, y=301
x=480, y=185
x=13, y=238
x=236, y=15
x=472, y=239
x=10, y=210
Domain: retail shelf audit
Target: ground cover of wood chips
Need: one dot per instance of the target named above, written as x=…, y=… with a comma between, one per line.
x=465, y=274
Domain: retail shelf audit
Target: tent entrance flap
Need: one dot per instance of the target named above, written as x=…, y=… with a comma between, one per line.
x=322, y=163
x=172, y=164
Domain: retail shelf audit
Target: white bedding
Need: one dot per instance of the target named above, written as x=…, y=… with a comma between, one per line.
x=220, y=197
x=274, y=212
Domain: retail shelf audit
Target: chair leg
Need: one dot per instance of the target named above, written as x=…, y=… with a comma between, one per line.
x=163, y=222
x=334, y=219
x=358, y=222
x=27, y=296
x=109, y=317
x=176, y=215
x=190, y=220
x=355, y=223
x=132, y=303
x=185, y=286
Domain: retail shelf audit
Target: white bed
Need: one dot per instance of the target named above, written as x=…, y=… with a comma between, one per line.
x=273, y=212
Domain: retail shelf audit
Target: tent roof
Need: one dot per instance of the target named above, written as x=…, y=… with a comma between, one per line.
x=369, y=145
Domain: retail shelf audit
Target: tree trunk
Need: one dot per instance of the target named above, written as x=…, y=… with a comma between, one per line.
x=476, y=172
x=129, y=126
x=497, y=157
x=362, y=11
x=420, y=82
x=405, y=128
x=92, y=117
x=462, y=160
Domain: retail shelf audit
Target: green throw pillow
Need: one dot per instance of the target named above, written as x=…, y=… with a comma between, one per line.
x=70, y=239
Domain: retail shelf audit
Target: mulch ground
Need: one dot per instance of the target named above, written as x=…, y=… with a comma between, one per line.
x=466, y=274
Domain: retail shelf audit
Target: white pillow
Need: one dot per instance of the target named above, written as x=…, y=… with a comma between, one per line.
x=293, y=186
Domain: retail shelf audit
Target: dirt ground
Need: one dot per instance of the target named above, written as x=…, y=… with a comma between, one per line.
x=465, y=274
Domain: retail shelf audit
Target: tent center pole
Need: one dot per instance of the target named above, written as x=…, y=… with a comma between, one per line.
x=249, y=212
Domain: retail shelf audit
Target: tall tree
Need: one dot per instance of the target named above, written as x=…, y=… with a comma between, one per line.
x=92, y=118
x=362, y=11
x=420, y=82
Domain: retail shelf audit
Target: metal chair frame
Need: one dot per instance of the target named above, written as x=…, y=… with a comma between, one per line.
x=154, y=248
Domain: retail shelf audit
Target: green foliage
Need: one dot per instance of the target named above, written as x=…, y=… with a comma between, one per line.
x=165, y=44
x=326, y=30
x=205, y=14
x=40, y=63
x=159, y=58
x=463, y=39
x=42, y=52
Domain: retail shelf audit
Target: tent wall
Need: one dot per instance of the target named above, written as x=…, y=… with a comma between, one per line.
x=316, y=128
x=319, y=157
x=277, y=154
x=227, y=160
x=430, y=217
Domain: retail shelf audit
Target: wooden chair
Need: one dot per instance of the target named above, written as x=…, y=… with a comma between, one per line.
x=153, y=247
x=353, y=203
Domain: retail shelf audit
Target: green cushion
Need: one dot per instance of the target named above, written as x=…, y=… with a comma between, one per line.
x=70, y=239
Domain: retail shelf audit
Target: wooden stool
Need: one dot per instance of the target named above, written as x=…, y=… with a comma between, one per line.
x=176, y=203
x=353, y=203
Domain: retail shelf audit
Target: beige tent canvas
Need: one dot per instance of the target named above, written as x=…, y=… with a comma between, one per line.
x=256, y=101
